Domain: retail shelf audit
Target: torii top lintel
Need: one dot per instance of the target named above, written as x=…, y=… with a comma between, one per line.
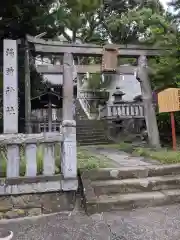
x=50, y=46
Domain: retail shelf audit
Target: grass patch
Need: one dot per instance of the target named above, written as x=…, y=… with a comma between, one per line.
x=163, y=155
x=86, y=160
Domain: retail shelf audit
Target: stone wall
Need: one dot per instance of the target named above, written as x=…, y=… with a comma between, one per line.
x=36, y=204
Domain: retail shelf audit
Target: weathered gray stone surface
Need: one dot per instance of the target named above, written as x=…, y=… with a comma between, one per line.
x=130, y=187
x=133, y=185
x=15, y=213
x=36, y=204
x=121, y=158
x=161, y=223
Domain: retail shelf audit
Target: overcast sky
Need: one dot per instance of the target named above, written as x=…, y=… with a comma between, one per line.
x=164, y=2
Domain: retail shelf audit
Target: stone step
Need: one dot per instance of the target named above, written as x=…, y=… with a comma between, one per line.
x=132, y=172
x=136, y=185
x=85, y=122
x=98, y=134
x=95, y=142
x=91, y=132
x=128, y=201
x=87, y=134
x=87, y=128
x=95, y=131
x=95, y=126
x=91, y=136
x=89, y=140
x=91, y=127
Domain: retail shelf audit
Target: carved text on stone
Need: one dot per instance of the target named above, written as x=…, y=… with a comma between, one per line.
x=10, y=110
x=10, y=52
x=9, y=90
x=10, y=71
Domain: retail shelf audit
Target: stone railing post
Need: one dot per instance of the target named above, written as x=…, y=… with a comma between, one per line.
x=109, y=112
x=69, y=158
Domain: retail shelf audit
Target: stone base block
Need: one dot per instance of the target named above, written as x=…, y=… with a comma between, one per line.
x=36, y=204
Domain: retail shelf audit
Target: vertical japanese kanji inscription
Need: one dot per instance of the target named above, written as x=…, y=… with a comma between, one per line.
x=10, y=87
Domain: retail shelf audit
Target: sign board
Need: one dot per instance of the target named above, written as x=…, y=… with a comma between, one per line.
x=109, y=60
x=10, y=87
x=169, y=100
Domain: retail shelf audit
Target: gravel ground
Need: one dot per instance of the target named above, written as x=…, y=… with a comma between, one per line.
x=158, y=223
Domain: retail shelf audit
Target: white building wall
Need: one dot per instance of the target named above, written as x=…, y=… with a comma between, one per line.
x=128, y=84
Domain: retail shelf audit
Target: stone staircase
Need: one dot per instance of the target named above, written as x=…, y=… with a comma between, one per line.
x=80, y=114
x=130, y=188
x=90, y=131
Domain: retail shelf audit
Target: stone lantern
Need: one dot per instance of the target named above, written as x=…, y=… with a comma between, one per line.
x=118, y=94
x=138, y=98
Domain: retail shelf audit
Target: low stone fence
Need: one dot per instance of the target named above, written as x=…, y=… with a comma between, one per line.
x=28, y=196
x=33, y=185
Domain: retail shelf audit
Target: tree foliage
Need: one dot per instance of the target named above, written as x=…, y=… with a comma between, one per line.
x=19, y=17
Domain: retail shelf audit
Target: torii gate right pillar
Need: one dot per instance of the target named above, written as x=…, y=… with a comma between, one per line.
x=149, y=111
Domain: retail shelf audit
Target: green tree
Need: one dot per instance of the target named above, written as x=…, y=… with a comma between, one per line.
x=78, y=17
x=21, y=17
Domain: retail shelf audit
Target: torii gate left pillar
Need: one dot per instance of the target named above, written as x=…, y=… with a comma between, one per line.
x=69, y=146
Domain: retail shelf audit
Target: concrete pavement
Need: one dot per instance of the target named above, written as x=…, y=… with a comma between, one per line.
x=158, y=223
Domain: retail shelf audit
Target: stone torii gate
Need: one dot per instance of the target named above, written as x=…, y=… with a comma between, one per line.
x=110, y=54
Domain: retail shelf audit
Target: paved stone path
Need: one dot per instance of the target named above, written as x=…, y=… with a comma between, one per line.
x=160, y=223
x=121, y=158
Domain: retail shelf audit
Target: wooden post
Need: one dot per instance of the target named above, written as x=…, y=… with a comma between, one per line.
x=150, y=115
x=68, y=148
x=173, y=128
x=27, y=90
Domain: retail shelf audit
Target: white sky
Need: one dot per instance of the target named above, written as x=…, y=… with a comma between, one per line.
x=164, y=2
